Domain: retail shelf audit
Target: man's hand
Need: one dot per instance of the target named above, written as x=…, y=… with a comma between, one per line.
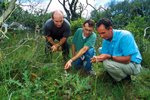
x=68, y=64
x=100, y=58
x=54, y=47
x=94, y=59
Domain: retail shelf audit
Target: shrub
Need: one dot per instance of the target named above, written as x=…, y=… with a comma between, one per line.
x=76, y=24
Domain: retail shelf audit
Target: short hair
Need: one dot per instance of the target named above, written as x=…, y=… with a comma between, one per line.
x=55, y=12
x=106, y=22
x=90, y=22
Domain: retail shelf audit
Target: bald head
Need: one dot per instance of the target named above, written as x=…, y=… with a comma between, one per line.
x=58, y=18
x=57, y=14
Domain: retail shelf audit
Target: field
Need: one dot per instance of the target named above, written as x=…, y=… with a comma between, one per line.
x=26, y=74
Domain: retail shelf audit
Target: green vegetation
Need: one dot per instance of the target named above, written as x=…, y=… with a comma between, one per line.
x=26, y=73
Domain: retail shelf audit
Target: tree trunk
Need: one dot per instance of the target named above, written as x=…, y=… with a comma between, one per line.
x=7, y=13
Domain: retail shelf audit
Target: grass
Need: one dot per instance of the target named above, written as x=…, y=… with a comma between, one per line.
x=26, y=74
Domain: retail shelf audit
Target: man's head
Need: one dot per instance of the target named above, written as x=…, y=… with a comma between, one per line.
x=88, y=27
x=104, y=28
x=58, y=18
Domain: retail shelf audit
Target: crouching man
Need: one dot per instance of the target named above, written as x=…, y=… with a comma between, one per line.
x=119, y=54
x=83, y=47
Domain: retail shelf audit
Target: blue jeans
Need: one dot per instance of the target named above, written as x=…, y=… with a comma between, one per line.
x=84, y=61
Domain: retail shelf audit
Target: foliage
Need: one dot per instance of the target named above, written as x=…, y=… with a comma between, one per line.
x=26, y=73
x=76, y=24
x=73, y=8
x=4, y=5
x=123, y=12
x=137, y=27
x=29, y=20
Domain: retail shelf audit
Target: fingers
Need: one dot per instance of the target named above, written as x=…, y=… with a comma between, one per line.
x=68, y=64
x=54, y=48
x=93, y=59
x=66, y=67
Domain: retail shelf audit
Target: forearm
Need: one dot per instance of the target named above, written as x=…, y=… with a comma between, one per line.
x=50, y=40
x=73, y=50
x=103, y=57
x=62, y=41
x=121, y=59
x=80, y=53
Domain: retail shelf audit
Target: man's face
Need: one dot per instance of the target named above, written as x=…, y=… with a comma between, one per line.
x=58, y=21
x=87, y=30
x=105, y=33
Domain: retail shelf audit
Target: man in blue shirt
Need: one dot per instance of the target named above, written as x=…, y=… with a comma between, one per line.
x=119, y=54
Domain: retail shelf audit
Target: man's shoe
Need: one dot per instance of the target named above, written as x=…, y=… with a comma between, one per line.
x=127, y=79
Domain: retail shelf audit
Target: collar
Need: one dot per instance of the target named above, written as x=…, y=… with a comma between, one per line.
x=83, y=36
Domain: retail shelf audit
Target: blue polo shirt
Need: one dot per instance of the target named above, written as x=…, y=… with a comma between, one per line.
x=122, y=44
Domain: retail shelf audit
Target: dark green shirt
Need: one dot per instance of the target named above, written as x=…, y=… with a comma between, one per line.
x=80, y=42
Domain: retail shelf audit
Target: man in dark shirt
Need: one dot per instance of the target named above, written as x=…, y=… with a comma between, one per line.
x=57, y=28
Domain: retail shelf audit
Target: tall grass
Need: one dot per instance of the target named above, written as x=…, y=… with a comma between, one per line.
x=26, y=74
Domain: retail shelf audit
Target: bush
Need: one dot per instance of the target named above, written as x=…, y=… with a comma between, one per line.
x=76, y=24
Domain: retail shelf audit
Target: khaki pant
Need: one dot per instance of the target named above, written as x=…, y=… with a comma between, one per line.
x=118, y=71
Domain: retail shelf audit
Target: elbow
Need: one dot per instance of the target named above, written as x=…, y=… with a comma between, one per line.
x=85, y=49
x=127, y=61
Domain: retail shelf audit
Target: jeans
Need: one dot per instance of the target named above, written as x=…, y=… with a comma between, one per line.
x=84, y=61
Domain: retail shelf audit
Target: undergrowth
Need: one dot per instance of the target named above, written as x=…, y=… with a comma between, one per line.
x=26, y=74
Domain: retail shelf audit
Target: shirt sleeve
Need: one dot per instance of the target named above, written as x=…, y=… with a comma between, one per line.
x=47, y=30
x=128, y=45
x=67, y=29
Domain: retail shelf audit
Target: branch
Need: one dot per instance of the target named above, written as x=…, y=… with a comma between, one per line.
x=6, y=14
x=90, y=5
x=4, y=33
x=145, y=31
x=60, y=2
x=100, y=7
x=64, y=6
x=47, y=6
x=75, y=5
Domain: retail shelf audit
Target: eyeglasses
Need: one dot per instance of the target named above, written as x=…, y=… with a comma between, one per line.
x=87, y=30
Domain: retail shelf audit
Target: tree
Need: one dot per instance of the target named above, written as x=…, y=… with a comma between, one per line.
x=7, y=12
x=30, y=18
x=73, y=8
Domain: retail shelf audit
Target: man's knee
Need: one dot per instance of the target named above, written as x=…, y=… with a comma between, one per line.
x=90, y=52
x=106, y=64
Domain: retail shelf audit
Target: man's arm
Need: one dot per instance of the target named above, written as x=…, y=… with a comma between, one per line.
x=49, y=39
x=102, y=57
x=62, y=41
x=122, y=59
x=56, y=45
x=79, y=54
x=73, y=50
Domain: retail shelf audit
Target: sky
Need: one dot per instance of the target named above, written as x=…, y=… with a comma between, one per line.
x=56, y=5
